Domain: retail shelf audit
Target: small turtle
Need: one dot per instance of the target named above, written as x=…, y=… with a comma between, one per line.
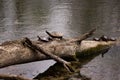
x=104, y=38
x=43, y=39
x=111, y=39
x=96, y=39
x=55, y=35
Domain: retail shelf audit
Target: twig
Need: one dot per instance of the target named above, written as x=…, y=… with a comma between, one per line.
x=32, y=46
x=84, y=36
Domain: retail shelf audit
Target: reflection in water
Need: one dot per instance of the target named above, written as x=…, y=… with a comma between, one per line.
x=107, y=68
x=20, y=18
x=9, y=19
x=28, y=70
x=59, y=18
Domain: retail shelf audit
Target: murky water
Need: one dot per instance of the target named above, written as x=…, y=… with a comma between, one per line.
x=29, y=18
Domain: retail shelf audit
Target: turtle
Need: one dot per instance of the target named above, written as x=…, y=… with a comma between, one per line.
x=103, y=38
x=55, y=35
x=96, y=39
x=43, y=39
x=111, y=39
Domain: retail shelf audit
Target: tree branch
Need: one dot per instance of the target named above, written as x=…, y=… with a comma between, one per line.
x=36, y=48
x=84, y=36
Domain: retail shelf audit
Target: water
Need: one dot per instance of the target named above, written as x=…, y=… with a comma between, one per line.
x=29, y=18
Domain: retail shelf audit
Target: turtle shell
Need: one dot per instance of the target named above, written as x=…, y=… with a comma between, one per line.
x=57, y=34
x=112, y=39
x=44, y=39
x=96, y=39
x=104, y=38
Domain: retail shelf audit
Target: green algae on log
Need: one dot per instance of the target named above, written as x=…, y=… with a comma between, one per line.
x=95, y=48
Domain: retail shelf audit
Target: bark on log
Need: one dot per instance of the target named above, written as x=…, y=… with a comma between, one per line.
x=13, y=52
x=38, y=49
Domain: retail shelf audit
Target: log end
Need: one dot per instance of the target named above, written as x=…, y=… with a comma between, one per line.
x=100, y=49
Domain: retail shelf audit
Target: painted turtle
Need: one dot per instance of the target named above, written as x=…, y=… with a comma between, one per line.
x=96, y=39
x=55, y=34
x=104, y=38
x=111, y=39
x=43, y=39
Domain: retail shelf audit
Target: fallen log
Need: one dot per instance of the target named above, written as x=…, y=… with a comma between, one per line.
x=14, y=52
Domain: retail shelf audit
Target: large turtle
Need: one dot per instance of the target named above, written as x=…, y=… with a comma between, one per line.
x=55, y=35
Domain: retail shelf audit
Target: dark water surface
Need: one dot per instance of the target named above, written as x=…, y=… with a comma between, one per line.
x=29, y=18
